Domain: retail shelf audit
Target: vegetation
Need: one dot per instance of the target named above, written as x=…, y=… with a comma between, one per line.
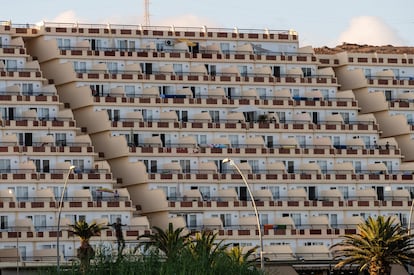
x=378, y=244
x=85, y=232
x=201, y=254
x=170, y=251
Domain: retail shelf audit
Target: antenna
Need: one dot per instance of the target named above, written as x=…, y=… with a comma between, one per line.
x=146, y=13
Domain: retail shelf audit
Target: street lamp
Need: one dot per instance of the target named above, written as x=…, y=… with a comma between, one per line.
x=231, y=162
x=58, y=223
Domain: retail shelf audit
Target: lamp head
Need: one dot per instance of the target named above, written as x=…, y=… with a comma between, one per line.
x=72, y=167
x=228, y=160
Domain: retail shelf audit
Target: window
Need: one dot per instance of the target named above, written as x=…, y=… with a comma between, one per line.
x=113, y=115
x=254, y=164
x=122, y=45
x=131, y=45
x=215, y=116
x=336, y=141
x=60, y=139
x=225, y=47
x=79, y=66
x=225, y=219
x=20, y=192
x=129, y=90
x=63, y=43
x=95, y=44
x=234, y=140
x=205, y=192
x=345, y=192
x=79, y=164
x=185, y=165
x=57, y=192
x=27, y=88
x=42, y=165
x=43, y=113
x=264, y=218
x=261, y=92
x=275, y=192
x=192, y=220
x=39, y=222
x=307, y=72
x=281, y=116
x=243, y=70
x=147, y=115
x=178, y=69
x=5, y=166
x=4, y=222
x=296, y=219
x=323, y=164
x=345, y=117
x=11, y=65
x=112, y=67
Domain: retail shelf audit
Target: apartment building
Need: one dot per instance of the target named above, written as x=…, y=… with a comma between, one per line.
x=39, y=142
x=164, y=106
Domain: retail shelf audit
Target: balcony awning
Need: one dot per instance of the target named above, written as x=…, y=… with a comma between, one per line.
x=319, y=222
x=207, y=167
x=246, y=109
x=134, y=116
x=235, y=117
x=45, y=195
x=140, y=221
x=322, y=142
x=286, y=222
x=192, y=194
x=276, y=167
x=187, y=141
x=377, y=167
x=152, y=91
x=212, y=223
x=333, y=194
x=251, y=93
x=343, y=168
x=366, y=194
x=347, y=94
x=256, y=142
x=216, y=93
x=279, y=252
x=297, y=194
x=353, y=221
x=263, y=195
x=202, y=117
x=313, y=252
x=227, y=194
x=168, y=116
x=283, y=94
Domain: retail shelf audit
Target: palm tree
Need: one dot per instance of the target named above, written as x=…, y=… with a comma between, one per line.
x=243, y=259
x=85, y=232
x=378, y=244
x=206, y=250
x=171, y=241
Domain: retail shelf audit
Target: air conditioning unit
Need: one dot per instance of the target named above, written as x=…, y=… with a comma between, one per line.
x=169, y=42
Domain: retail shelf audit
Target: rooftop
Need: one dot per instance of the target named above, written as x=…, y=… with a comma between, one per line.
x=355, y=48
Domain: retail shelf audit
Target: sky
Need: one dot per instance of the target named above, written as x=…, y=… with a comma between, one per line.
x=318, y=22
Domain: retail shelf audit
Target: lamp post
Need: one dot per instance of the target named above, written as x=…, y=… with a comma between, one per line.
x=231, y=162
x=409, y=217
x=58, y=222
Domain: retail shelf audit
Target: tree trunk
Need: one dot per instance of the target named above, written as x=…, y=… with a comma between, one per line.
x=85, y=253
